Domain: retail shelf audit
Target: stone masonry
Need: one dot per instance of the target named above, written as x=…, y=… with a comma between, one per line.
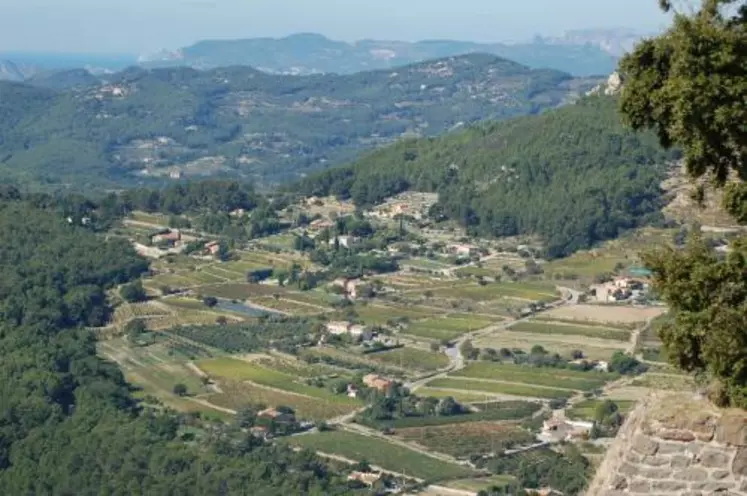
x=676, y=445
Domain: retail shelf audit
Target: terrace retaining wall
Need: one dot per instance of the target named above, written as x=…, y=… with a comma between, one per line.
x=676, y=444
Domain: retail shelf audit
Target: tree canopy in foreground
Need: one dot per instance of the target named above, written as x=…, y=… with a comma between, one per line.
x=690, y=86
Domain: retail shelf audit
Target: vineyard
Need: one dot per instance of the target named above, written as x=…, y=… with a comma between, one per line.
x=501, y=388
x=381, y=453
x=572, y=330
x=411, y=358
x=473, y=438
x=247, y=337
x=237, y=394
x=549, y=377
x=239, y=370
x=496, y=411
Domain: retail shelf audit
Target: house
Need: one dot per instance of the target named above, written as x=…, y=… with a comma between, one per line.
x=338, y=328
x=349, y=286
x=277, y=415
x=362, y=332
x=367, y=478
x=239, y=212
x=602, y=366
x=462, y=250
x=212, y=247
x=375, y=381
x=344, y=241
x=557, y=429
x=352, y=391
x=168, y=236
x=320, y=224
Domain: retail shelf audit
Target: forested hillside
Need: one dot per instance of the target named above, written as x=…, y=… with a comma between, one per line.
x=149, y=124
x=68, y=424
x=573, y=176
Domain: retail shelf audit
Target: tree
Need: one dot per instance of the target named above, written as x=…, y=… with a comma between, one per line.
x=179, y=389
x=133, y=292
x=134, y=329
x=689, y=86
x=210, y=301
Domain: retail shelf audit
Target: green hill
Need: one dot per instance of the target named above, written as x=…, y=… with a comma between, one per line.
x=142, y=124
x=573, y=176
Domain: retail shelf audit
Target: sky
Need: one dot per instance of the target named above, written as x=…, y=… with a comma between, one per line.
x=139, y=26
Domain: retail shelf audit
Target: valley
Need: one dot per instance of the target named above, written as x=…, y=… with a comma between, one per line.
x=518, y=343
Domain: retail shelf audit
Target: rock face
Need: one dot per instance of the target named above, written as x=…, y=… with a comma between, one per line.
x=676, y=444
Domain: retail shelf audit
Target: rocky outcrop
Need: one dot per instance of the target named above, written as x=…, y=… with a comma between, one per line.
x=612, y=87
x=676, y=444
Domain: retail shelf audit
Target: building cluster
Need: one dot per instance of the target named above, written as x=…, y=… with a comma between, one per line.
x=560, y=429
x=620, y=289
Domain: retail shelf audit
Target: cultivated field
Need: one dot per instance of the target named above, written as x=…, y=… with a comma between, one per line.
x=522, y=290
x=381, y=453
x=559, y=328
x=411, y=358
x=446, y=327
x=549, y=377
x=500, y=388
x=611, y=314
x=240, y=370
x=463, y=440
x=595, y=349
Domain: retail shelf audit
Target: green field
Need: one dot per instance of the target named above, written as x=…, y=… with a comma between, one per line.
x=380, y=315
x=239, y=291
x=536, y=327
x=446, y=327
x=585, y=410
x=550, y=377
x=465, y=440
x=500, y=388
x=411, y=358
x=239, y=370
x=237, y=394
x=523, y=290
x=477, y=272
x=381, y=453
x=481, y=483
x=459, y=396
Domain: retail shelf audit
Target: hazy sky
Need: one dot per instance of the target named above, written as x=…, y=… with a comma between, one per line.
x=135, y=26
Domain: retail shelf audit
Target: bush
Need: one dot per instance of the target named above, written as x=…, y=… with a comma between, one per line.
x=133, y=292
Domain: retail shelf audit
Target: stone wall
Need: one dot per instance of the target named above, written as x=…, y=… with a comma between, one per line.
x=676, y=444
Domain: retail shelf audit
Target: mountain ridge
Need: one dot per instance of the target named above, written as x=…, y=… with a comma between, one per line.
x=147, y=124
x=311, y=53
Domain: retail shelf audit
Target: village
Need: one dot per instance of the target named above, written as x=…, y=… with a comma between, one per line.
x=490, y=351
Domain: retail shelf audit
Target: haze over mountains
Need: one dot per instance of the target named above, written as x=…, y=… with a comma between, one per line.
x=580, y=53
x=592, y=52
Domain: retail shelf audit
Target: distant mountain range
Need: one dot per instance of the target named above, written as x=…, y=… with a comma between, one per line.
x=580, y=53
x=153, y=124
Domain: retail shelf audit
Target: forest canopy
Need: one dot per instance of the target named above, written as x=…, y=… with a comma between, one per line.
x=573, y=175
x=69, y=424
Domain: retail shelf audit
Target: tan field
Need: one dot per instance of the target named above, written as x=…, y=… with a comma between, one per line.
x=606, y=313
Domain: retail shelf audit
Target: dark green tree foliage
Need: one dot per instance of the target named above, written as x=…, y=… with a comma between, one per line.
x=690, y=86
x=69, y=424
x=574, y=176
